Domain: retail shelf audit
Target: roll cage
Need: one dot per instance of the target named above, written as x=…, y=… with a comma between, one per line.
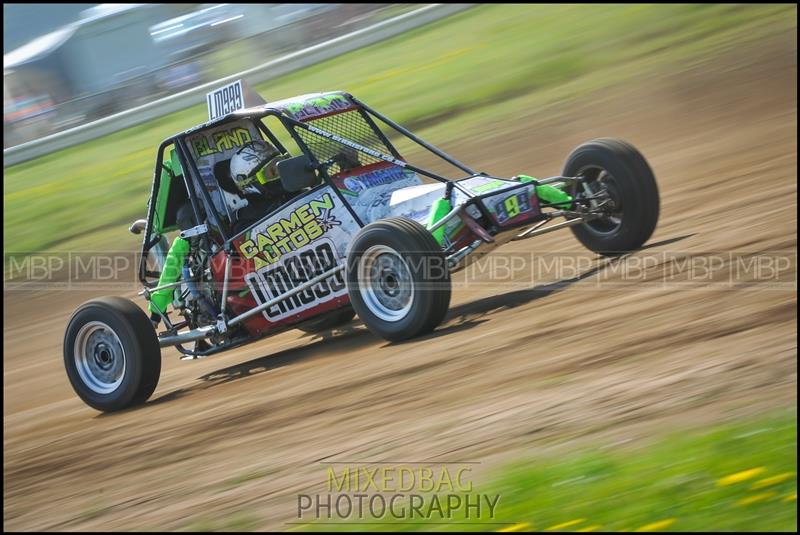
x=297, y=116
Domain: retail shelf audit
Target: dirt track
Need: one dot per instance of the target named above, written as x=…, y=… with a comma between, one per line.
x=520, y=365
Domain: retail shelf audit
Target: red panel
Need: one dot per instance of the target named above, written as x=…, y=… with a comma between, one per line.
x=237, y=304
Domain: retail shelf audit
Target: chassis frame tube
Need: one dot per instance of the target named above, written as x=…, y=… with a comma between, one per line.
x=450, y=215
x=147, y=292
x=209, y=330
x=552, y=179
x=416, y=139
x=375, y=154
x=536, y=230
x=188, y=336
x=224, y=302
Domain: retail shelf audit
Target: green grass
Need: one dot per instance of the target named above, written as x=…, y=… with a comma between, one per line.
x=245, y=478
x=470, y=72
x=718, y=480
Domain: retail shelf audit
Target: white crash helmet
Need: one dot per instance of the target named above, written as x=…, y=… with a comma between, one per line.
x=253, y=164
x=205, y=166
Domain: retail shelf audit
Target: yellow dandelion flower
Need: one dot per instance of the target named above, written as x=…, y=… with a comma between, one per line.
x=738, y=477
x=655, y=526
x=755, y=498
x=564, y=525
x=516, y=527
x=774, y=480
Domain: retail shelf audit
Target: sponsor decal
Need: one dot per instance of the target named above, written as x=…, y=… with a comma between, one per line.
x=353, y=145
x=293, y=270
x=220, y=141
x=371, y=192
x=417, y=215
x=487, y=186
x=300, y=242
x=359, y=183
x=317, y=106
x=481, y=185
x=291, y=232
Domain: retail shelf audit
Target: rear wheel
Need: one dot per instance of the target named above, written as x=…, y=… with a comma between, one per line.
x=618, y=176
x=398, y=279
x=111, y=354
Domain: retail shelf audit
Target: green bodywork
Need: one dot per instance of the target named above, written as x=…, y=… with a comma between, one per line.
x=173, y=263
x=489, y=186
x=441, y=207
x=320, y=102
x=170, y=171
x=160, y=299
x=547, y=193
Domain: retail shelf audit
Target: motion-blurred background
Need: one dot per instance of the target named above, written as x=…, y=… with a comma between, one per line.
x=67, y=64
x=654, y=391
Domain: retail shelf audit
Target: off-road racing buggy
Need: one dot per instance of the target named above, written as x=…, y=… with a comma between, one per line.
x=359, y=233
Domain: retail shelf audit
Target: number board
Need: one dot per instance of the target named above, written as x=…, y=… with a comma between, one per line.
x=512, y=206
x=225, y=100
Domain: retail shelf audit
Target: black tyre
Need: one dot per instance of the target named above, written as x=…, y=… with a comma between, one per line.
x=616, y=167
x=329, y=320
x=111, y=354
x=398, y=279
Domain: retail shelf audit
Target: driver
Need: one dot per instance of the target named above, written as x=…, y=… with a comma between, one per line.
x=254, y=171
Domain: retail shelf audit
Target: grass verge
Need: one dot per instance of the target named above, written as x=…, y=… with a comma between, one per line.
x=735, y=477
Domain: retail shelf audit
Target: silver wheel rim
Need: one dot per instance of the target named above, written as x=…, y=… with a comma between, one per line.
x=385, y=283
x=610, y=224
x=99, y=357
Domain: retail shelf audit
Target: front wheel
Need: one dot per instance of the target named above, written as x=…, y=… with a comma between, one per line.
x=398, y=279
x=111, y=354
x=622, y=186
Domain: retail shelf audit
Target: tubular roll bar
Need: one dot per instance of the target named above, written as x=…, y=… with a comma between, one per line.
x=191, y=177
